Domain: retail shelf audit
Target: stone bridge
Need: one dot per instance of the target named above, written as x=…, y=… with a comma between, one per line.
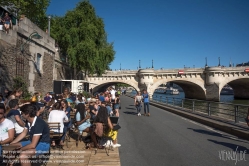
x=197, y=83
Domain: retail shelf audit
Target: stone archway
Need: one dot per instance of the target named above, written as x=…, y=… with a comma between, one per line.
x=240, y=87
x=194, y=90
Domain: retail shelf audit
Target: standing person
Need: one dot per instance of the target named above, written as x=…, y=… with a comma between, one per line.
x=116, y=105
x=138, y=103
x=7, y=130
x=7, y=22
x=39, y=138
x=146, y=103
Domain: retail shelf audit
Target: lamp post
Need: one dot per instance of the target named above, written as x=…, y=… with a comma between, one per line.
x=49, y=18
x=206, y=65
x=34, y=35
x=152, y=64
x=120, y=66
x=139, y=65
x=219, y=61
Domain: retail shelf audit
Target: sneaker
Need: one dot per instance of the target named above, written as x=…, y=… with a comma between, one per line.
x=148, y=114
x=139, y=114
x=116, y=145
x=108, y=143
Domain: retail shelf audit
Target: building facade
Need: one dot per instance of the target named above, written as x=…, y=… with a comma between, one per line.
x=36, y=61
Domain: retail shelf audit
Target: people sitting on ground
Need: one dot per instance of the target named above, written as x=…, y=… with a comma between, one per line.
x=15, y=116
x=39, y=138
x=7, y=22
x=58, y=115
x=103, y=120
x=7, y=130
x=82, y=117
x=67, y=109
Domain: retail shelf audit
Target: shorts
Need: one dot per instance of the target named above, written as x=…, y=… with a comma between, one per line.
x=41, y=147
x=116, y=106
x=83, y=126
x=7, y=22
x=112, y=134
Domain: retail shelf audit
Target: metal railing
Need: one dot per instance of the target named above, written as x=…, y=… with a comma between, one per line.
x=236, y=112
x=229, y=111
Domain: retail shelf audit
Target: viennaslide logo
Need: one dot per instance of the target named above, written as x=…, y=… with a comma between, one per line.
x=231, y=155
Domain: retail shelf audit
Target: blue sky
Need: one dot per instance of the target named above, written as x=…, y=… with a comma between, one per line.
x=173, y=33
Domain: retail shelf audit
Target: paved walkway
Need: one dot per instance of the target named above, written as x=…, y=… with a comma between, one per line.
x=84, y=157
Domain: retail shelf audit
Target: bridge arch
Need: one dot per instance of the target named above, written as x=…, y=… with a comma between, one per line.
x=191, y=89
x=240, y=86
x=107, y=83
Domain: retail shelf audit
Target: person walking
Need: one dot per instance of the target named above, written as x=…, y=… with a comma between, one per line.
x=138, y=103
x=146, y=103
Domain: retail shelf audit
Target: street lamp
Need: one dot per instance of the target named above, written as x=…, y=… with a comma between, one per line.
x=34, y=35
x=206, y=65
x=139, y=65
x=219, y=62
x=152, y=64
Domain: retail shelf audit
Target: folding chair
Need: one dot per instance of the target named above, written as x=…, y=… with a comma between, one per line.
x=56, y=126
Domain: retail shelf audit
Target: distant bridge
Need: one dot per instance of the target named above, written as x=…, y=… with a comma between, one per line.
x=198, y=83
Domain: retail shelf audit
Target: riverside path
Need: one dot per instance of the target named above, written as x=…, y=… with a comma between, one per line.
x=168, y=139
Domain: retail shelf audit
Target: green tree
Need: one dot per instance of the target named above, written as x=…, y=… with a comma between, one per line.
x=35, y=10
x=20, y=83
x=81, y=36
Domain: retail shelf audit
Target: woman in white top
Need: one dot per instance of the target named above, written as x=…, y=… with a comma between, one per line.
x=57, y=115
x=138, y=101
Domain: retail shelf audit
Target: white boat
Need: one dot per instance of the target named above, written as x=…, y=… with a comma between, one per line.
x=172, y=91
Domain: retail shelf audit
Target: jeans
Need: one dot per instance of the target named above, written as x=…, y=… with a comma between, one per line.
x=66, y=127
x=139, y=106
x=148, y=109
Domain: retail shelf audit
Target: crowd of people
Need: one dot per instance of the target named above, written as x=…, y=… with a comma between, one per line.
x=21, y=118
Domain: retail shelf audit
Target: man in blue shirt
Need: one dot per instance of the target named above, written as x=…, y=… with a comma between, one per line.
x=39, y=141
x=146, y=103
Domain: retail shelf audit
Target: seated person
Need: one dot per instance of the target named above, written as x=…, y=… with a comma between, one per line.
x=15, y=116
x=7, y=130
x=58, y=115
x=38, y=134
x=82, y=118
x=93, y=110
x=102, y=117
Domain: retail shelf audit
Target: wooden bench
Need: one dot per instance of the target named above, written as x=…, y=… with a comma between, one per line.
x=10, y=154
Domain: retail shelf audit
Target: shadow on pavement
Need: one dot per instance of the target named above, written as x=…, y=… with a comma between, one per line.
x=234, y=147
x=214, y=134
x=129, y=112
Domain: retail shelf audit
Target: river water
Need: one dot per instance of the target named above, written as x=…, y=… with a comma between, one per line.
x=223, y=98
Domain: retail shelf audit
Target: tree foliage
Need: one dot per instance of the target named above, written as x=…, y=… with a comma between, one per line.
x=35, y=10
x=81, y=36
